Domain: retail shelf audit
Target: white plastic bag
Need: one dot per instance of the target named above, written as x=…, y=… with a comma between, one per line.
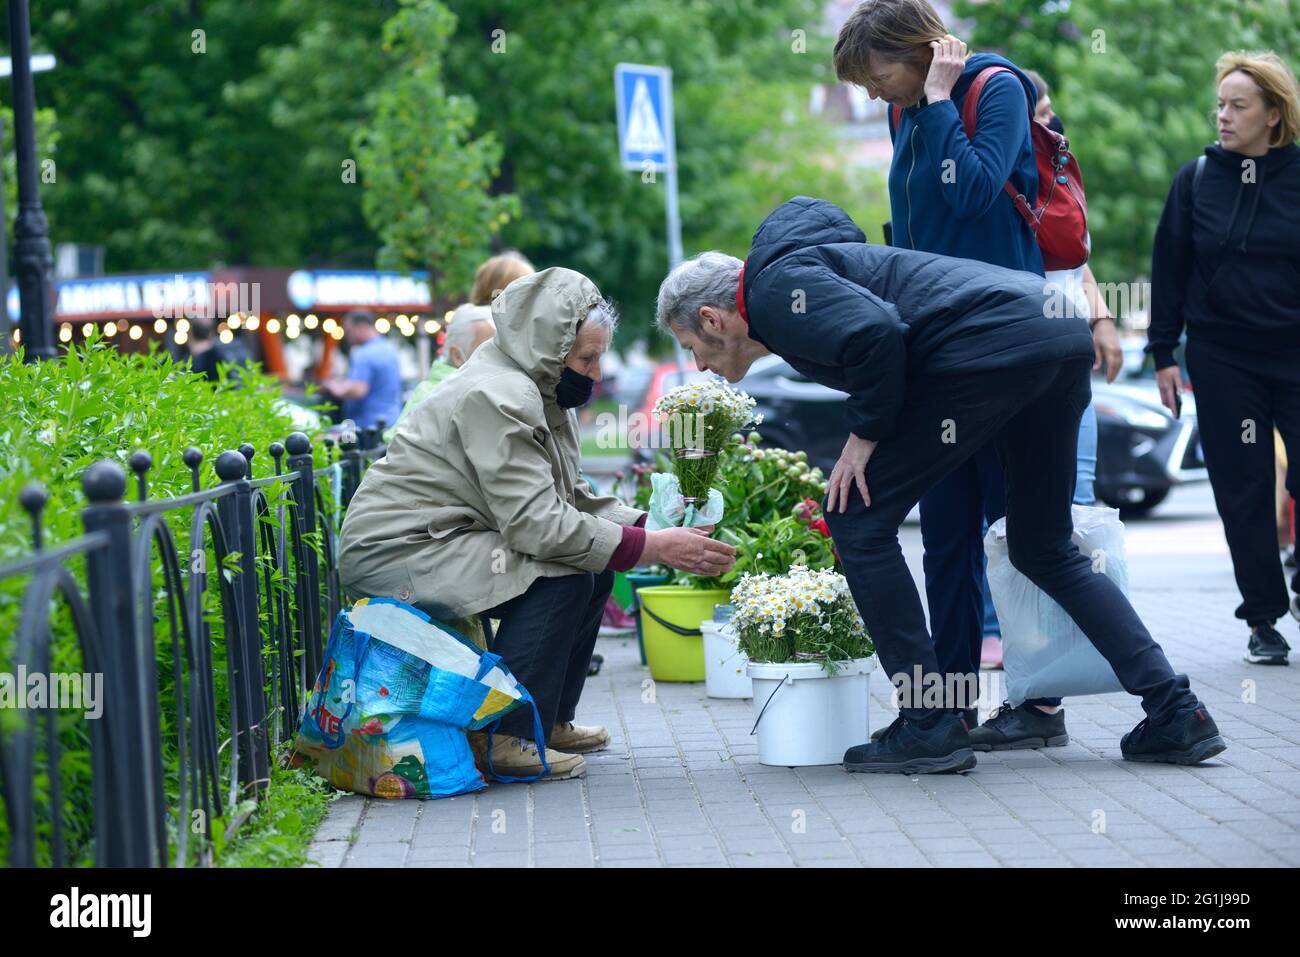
x=1044, y=653
x=668, y=509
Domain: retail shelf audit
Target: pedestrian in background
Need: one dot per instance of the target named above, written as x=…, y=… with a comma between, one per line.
x=1225, y=267
x=371, y=391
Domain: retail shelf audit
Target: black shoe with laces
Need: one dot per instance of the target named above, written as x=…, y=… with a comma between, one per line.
x=1267, y=646
x=928, y=746
x=971, y=716
x=1189, y=736
x=1011, y=729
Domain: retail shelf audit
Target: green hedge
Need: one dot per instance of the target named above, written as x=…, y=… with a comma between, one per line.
x=98, y=403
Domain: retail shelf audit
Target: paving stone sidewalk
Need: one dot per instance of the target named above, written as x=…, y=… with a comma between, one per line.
x=681, y=786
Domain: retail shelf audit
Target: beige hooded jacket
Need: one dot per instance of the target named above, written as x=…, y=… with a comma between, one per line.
x=479, y=492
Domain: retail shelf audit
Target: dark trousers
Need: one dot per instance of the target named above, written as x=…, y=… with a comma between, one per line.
x=954, y=513
x=1240, y=398
x=1032, y=415
x=546, y=638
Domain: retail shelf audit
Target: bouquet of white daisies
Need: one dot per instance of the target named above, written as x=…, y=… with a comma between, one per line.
x=802, y=615
x=701, y=418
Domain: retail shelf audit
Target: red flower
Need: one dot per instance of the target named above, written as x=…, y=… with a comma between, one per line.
x=819, y=525
x=383, y=692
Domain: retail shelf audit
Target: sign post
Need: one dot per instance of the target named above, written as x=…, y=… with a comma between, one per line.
x=647, y=143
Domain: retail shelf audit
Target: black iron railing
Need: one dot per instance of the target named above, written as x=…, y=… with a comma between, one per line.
x=198, y=690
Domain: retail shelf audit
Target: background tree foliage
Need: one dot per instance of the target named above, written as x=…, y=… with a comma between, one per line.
x=425, y=176
x=174, y=158
x=1133, y=81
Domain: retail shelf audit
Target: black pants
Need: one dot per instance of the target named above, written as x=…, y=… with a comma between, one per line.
x=1033, y=416
x=1240, y=398
x=546, y=638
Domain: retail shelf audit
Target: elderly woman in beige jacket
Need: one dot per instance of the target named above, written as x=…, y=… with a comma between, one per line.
x=478, y=506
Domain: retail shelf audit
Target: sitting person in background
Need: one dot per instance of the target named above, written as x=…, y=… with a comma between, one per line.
x=491, y=278
x=471, y=324
x=470, y=327
x=478, y=507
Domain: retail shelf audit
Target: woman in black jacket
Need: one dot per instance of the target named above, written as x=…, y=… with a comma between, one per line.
x=1226, y=267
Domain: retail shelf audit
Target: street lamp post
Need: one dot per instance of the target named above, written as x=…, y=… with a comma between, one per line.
x=33, y=260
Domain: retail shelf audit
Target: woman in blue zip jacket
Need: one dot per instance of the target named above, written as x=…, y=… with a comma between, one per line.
x=1226, y=267
x=946, y=196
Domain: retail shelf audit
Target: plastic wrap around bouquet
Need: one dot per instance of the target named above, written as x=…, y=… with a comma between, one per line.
x=394, y=698
x=700, y=419
x=669, y=509
x=1044, y=653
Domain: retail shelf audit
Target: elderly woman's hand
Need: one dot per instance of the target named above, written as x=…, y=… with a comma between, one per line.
x=690, y=550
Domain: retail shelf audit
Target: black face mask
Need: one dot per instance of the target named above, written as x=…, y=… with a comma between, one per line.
x=1055, y=125
x=573, y=389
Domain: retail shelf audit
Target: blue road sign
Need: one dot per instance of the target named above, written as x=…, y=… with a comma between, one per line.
x=644, y=97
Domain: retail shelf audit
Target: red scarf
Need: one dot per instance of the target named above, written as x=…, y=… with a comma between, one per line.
x=740, y=296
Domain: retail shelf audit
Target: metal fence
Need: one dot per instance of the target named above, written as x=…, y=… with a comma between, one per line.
x=156, y=770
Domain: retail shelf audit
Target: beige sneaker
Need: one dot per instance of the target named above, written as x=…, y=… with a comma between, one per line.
x=517, y=758
x=575, y=739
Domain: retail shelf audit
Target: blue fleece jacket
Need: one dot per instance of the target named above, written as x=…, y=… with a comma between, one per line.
x=959, y=208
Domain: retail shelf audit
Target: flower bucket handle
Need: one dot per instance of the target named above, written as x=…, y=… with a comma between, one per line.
x=787, y=680
x=675, y=629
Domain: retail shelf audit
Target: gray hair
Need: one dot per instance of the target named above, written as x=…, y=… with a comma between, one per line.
x=464, y=328
x=603, y=315
x=710, y=279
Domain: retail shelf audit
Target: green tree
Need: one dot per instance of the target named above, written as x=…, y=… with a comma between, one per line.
x=181, y=149
x=741, y=77
x=1133, y=81
x=425, y=177
x=154, y=162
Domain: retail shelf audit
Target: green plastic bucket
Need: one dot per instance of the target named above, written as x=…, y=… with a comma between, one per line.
x=636, y=581
x=622, y=590
x=670, y=624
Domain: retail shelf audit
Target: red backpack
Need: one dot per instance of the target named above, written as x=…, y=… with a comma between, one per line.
x=1059, y=216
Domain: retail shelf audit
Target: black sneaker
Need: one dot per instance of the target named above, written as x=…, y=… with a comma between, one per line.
x=907, y=747
x=971, y=715
x=1190, y=736
x=1295, y=607
x=1267, y=647
x=1010, y=729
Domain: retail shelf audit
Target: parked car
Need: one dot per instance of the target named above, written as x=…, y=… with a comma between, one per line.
x=1142, y=451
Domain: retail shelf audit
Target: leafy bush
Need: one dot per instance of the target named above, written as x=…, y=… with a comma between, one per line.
x=761, y=491
x=62, y=416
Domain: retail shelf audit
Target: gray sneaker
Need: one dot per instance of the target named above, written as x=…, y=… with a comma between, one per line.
x=1267, y=646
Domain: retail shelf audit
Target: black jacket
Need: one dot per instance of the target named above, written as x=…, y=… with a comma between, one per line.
x=1228, y=269
x=867, y=319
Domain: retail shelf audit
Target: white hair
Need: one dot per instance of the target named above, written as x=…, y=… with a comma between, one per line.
x=464, y=328
x=710, y=279
x=603, y=315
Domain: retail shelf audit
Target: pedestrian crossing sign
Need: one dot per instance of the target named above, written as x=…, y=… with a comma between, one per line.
x=643, y=95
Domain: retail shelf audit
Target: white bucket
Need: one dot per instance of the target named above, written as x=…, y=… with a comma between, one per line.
x=804, y=716
x=724, y=662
